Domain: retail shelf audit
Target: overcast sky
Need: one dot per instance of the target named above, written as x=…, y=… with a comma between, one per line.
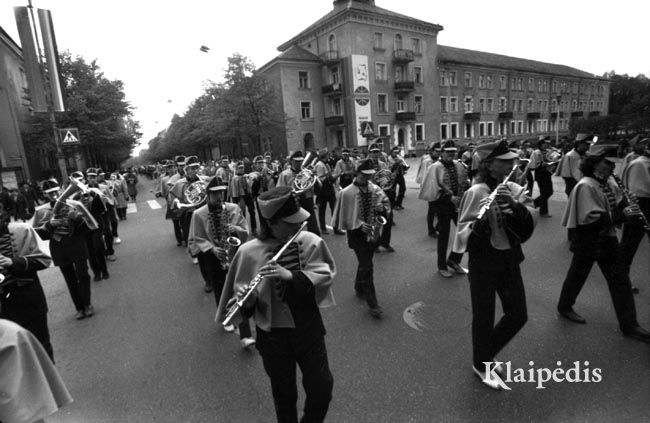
x=153, y=46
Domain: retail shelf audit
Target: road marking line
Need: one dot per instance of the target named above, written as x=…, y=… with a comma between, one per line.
x=154, y=204
x=131, y=208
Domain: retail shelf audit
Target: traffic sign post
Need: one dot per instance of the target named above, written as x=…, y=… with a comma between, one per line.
x=69, y=136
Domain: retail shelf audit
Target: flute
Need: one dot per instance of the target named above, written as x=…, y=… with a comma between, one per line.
x=493, y=195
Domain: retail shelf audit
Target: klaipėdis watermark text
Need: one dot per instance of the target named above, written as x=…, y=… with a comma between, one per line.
x=503, y=373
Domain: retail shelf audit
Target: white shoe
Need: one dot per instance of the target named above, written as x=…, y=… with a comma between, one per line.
x=229, y=328
x=494, y=384
x=117, y=240
x=247, y=342
x=195, y=260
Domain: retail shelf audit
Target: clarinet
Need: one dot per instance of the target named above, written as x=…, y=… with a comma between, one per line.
x=252, y=285
x=628, y=198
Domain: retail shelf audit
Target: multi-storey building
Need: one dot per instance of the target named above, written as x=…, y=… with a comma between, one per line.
x=361, y=63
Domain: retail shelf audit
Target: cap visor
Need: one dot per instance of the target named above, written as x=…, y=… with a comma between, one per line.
x=218, y=188
x=369, y=172
x=51, y=190
x=298, y=217
x=507, y=156
x=450, y=149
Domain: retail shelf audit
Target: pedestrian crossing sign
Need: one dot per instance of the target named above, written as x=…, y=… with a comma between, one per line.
x=69, y=136
x=367, y=129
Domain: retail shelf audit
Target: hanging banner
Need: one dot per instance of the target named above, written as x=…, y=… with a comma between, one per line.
x=30, y=59
x=361, y=95
x=52, y=58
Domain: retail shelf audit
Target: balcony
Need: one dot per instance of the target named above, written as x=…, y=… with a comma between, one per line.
x=334, y=121
x=594, y=113
x=402, y=56
x=472, y=116
x=404, y=86
x=533, y=115
x=577, y=114
x=505, y=115
x=554, y=115
x=405, y=116
x=332, y=89
x=330, y=57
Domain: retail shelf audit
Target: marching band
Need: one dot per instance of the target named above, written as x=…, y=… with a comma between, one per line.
x=242, y=224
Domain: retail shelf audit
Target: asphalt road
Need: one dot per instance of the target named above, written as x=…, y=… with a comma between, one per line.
x=152, y=352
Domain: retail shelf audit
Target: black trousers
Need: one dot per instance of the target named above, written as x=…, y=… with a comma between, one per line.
x=545, y=184
x=618, y=282
x=178, y=231
x=530, y=182
x=308, y=204
x=96, y=251
x=78, y=280
x=250, y=205
x=364, y=284
x=484, y=282
x=324, y=198
x=281, y=351
x=569, y=183
x=387, y=232
x=112, y=218
x=431, y=214
x=107, y=233
x=214, y=275
x=447, y=213
x=632, y=236
x=400, y=182
x=121, y=213
x=185, y=220
x=26, y=306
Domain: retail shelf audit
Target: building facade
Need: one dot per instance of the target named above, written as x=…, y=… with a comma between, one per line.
x=363, y=71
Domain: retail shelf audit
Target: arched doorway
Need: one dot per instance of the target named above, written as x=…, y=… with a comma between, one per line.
x=400, y=137
x=308, y=141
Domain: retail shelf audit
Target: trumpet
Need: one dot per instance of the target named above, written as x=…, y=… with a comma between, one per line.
x=252, y=285
x=66, y=228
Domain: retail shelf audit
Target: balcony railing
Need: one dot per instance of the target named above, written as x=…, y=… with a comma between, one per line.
x=334, y=120
x=505, y=115
x=405, y=116
x=554, y=115
x=402, y=56
x=533, y=115
x=404, y=85
x=330, y=57
x=594, y=113
x=331, y=88
x=472, y=116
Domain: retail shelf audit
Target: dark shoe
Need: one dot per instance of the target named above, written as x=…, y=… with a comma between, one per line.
x=324, y=232
x=339, y=232
x=207, y=288
x=184, y=244
x=389, y=249
x=445, y=273
x=572, y=315
x=111, y=257
x=80, y=315
x=545, y=215
x=635, y=289
x=376, y=312
x=105, y=275
x=393, y=223
x=433, y=234
x=378, y=250
x=98, y=277
x=399, y=208
x=89, y=311
x=457, y=267
x=359, y=294
x=639, y=334
x=179, y=244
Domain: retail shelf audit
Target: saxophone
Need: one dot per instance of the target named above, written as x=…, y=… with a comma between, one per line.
x=223, y=234
x=7, y=250
x=369, y=215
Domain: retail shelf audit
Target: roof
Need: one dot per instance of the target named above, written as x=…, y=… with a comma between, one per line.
x=10, y=42
x=478, y=58
x=294, y=54
x=355, y=6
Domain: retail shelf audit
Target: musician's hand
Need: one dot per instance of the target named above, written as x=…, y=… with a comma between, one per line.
x=273, y=270
x=633, y=210
x=57, y=223
x=241, y=292
x=75, y=216
x=366, y=228
x=504, y=196
x=220, y=253
x=5, y=262
x=634, y=199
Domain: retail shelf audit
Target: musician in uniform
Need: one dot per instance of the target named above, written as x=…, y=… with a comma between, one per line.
x=538, y=165
x=306, y=198
x=427, y=161
x=493, y=243
x=569, y=167
x=181, y=207
x=594, y=209
x=65, y=231
x=224, y=172
x=108, y=218
x=22, y=299
x=289, y=326
x=637, y=150
x=344, y=169
x=359, y=210
x=239, y=190
x=131, y=184
x=398, y=166
x=375, y=155
x=176, y=168
x=442, y=187
x=262, y=177
x=95, y=237
x=326, y=194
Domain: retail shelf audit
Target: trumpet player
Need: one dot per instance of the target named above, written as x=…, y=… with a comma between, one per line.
x=495, y=218
x=594, y=208
x=376, y=157
x=361, y=210
x=306, y=198
x=181, y=207
x=442, y=187
x=289, y=327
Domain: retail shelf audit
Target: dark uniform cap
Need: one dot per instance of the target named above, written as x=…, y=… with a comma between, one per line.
x=297, y=155
x=366, y=167
x=258, y=159
x=91, y=171
x=281, y=203
x=374, y=147
x=216, y=184
x=50, y=185
x=599, y=149
x=224, y=158
x=584, y=137
x=345, y=151
x=76, y=174
x=495, y=150
x=180, y=160
x=192, y=161
x=449, y=145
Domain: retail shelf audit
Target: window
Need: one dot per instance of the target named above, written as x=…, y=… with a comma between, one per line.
x=400, y=103
x=334, y=75
x=531, y=105
x=419, y=132
x=520, y=84
x=513, y=84
x=540, y=105
x=553, y=105
x=469, y=130
x=591, y=105
x=303, y=80
x=417, y=46
x=378, y=40
x=398, y=42
x=489, y=82
x=481, y=105
x=400, y=73
x=545, y=106
x=417, y=75
x=452, y=78
x=520, y=104
x=490, y=129
x=481, y=129
x=574, y=105
x=453, y=104
x=468, y=79
x=531, y=84
x=419, y=106
x=542, y=125
x=469, y=104
x=454, y=130
x=380, y=71
x=481, y=81
x=443, y=131
x=554, y=86
x=539, y=86
x=520, y=126
x=331, y=42
x=545, y=86
x=502, y=128
x=305, y=109
x=502, y=82
x=503, y=104
x=513, y=127
x=514, y=105
x=575, y=88
x=443, y=78
x=444, y=105
x=382, y=103
x=384, y=130
x=530, y=126
x=490, y=105
x=336, y=106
